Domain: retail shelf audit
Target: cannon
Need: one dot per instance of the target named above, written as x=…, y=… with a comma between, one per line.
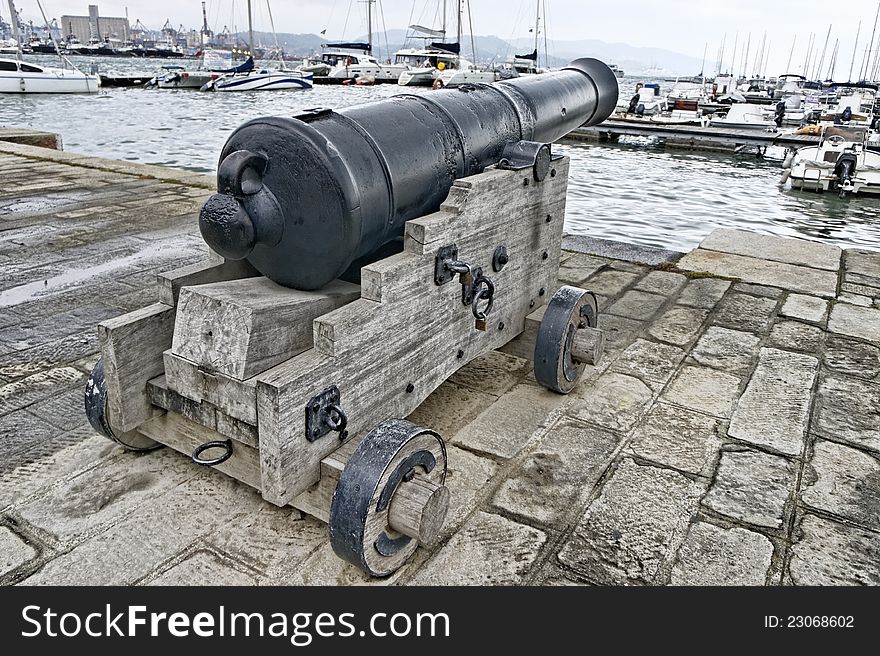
x=303, y=198
x=358, y=259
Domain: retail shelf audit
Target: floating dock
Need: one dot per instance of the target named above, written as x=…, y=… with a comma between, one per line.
x=730, y=436
x=693, y=137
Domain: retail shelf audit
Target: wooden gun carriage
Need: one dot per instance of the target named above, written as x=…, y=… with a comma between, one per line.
x=303, y=394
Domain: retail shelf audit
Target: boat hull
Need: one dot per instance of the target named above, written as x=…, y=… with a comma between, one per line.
x=458, y=77
x=49, y=83
x=274, y=81
x=418, y=78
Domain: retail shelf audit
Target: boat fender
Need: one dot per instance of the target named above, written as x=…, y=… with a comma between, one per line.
x=640, y=110
x=846, y=115
x=786, y=174
x=438, y=84
x=789, y=158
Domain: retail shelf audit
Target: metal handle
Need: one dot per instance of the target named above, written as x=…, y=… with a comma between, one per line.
x=226, y=445
x=486, y=293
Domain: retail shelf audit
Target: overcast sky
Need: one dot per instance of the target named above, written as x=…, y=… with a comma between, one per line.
x=680, y=25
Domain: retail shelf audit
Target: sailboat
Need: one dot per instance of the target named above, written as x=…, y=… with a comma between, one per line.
x=247, y=77
x=17, y=76
x=527, y=64
x=343, y=63
x=464, y=72
x=424, y=65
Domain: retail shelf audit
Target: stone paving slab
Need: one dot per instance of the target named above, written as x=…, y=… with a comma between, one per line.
x=774, y=249
x=715, y=556
x=802, y=279
x=731, y=435
x=774, y=408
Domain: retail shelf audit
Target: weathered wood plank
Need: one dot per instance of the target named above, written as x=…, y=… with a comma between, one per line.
x=236, y=398
x=241, y=328
x=390, y=349
x=184, y=435
x=201, y=412
x=212, y=269
x=132, y=346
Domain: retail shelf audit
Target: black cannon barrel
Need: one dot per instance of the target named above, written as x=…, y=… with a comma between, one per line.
x=302, y=198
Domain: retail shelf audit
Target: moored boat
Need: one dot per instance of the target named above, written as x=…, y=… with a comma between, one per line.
x=840, y=162
x=22, y=77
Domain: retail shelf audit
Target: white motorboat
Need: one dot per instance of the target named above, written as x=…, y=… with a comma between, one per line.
x=647, y=101
x=22, y=77
x=263, y=80
x=178, y=77
x=424, y=65
x=249, y=78
x=618, y=72
x=840, y=162
x=745, y=116
x=214, y=64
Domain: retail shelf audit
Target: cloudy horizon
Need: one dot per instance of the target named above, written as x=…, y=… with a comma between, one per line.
x=681, y=26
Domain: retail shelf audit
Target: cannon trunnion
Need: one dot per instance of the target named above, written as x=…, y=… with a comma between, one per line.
x=261, y=363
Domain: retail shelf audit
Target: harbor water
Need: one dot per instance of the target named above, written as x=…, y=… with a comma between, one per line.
x=633, y=191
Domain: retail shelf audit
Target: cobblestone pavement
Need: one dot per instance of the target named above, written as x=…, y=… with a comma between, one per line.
x=730, y=436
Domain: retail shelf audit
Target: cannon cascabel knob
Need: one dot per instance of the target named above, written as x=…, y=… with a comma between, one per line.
x=227, y=228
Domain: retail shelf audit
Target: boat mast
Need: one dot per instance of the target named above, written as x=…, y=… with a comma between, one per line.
x=733, y=59
x=458, y=34
x=443, y=21
x=818, y=73
x=864, y=74
x=833, y=64
x=537, y=28
x=855, y=49
x=15, y=29
x=370, y=23
x=64, y=61
x=250, y=29
x=744, y=66
x=703, y=65
x=809, y=52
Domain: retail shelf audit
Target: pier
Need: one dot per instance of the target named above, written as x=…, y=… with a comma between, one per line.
x=692, y=137
x=731, y=434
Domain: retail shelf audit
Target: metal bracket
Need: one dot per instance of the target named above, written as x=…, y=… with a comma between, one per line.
x=527, y=154
x=442, y=273
x=324, y=415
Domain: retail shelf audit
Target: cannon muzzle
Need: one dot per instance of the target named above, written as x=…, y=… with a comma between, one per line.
x=303, y=198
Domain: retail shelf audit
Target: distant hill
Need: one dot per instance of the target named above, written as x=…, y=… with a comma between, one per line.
x=634, y=60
